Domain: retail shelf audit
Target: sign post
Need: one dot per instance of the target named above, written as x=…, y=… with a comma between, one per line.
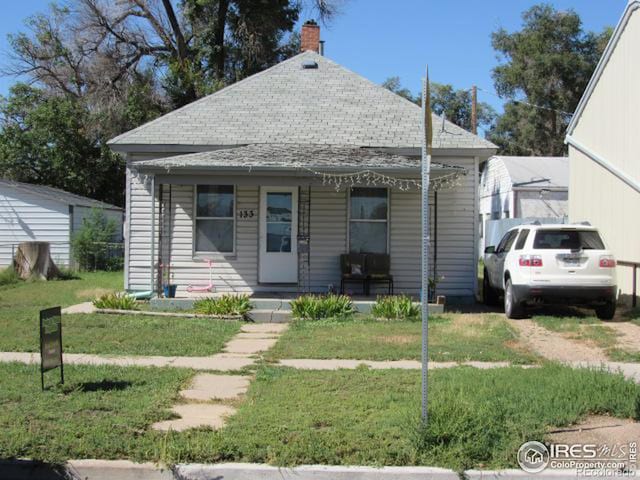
x=51, y=342
x=426, y=170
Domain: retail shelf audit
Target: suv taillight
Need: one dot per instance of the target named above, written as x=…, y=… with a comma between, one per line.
x=607, y=261
x=530, y=261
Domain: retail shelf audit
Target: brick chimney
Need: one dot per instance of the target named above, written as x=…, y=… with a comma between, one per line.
x=310, y=37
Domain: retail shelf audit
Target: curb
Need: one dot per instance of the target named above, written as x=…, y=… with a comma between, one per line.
x=246, y=471
x=126, y=470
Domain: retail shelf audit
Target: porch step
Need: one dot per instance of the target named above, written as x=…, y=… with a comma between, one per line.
x=270, y=316
x=271, y=304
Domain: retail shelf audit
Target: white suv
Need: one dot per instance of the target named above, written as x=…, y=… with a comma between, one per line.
x=557, y=264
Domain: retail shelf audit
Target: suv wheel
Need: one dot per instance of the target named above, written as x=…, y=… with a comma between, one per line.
x=512, y=307
x=606, y=311
x=489, y=295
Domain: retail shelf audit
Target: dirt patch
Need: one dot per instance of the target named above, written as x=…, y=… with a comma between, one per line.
x=628, y=335
x=555, y=346
x=600, y=430
x=398, y=339
x=92, y=292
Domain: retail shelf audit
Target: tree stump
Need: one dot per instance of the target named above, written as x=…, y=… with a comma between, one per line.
x=33, y=260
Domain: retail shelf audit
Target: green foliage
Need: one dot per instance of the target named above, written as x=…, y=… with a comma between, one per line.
x=90, y=244
x=454, y=104
x=547, y=63
x=8, y=276
x=396, y=307
x=116, y=301
x=316, y=307
x=45, y=140
x=226, y=304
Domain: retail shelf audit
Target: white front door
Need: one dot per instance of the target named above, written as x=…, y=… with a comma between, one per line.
x=278, y=235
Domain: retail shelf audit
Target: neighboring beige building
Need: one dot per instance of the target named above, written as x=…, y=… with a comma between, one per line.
x=604, y=147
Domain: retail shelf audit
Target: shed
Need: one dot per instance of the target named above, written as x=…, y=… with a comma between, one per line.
x=31, y=212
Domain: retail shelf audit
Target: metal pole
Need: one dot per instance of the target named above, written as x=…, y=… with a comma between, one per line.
x=474, y=110
x=426, y=166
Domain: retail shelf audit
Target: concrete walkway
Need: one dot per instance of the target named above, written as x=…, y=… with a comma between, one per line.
x=240, y=352
x=336, y=364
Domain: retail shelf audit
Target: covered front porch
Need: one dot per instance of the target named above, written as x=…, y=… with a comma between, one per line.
x=273, y=221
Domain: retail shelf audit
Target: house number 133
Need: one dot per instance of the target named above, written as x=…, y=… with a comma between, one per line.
x=246, y=213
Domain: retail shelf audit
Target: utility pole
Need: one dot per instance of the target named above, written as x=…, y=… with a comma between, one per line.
x=474, y=110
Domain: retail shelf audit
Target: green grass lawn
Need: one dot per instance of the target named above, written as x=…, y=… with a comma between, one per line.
x=591, y=330
x=355, y=417
x=101, y=333
x=101, y=412
x=349, y=417
x=452, y=337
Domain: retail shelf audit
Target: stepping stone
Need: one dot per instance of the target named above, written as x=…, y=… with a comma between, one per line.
x=207, y=387
x=264, y=327
x=85, y=307
x=249, y=346
x=256, y=335
x=220, y=361
x=196, y=415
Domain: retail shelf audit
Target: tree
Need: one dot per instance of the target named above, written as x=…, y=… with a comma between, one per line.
x=454, y=104
x=548, y=63
x=44, y=140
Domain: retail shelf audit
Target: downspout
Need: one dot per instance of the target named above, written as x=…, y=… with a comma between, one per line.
x=603, y=163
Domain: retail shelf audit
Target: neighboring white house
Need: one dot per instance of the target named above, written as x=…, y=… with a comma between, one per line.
x=521, y=187
x=276, y=176
x=604, y=147
x=526, y=188
x=36, y=212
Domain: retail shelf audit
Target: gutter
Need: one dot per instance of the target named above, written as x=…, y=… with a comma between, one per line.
x=632, y=182
x=604, y=60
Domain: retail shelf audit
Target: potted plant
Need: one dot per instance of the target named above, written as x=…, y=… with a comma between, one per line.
x=168, y=287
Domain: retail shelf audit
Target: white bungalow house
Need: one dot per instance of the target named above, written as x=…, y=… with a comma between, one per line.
x=604, y=141
x=31, y=212
x=276, y=176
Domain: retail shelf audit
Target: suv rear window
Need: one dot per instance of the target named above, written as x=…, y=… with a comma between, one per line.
x=568, y=239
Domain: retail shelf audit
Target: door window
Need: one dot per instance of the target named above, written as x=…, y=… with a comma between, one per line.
x=278, y=221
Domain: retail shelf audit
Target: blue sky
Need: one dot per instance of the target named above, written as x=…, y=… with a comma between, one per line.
x=383, y=38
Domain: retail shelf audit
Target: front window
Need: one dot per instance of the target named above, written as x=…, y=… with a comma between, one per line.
x=215, y=220
x=368, y=220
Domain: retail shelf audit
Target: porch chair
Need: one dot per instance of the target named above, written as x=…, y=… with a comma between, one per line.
x=379, y=270
x=352, y=268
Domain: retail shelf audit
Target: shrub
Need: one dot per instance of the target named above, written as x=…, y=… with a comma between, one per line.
x=91, y=247
x=8, y=276
x=399, y=307
x=227, y=304
x=116, y=301
x=315, y=307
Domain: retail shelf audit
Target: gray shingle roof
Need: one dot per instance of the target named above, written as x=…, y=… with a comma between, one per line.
x=289, y=156
x=56, y=194
x=538, y=171
x=289, y=104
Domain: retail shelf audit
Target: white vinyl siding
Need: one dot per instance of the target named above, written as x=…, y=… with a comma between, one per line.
x=26, y=217
x=328, y=238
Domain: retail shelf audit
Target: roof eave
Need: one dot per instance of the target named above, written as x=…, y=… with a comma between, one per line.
x=602, y=63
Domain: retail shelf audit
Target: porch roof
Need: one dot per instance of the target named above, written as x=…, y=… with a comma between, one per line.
x=289, y=157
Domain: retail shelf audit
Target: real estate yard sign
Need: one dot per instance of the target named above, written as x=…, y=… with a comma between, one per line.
x=51, y=342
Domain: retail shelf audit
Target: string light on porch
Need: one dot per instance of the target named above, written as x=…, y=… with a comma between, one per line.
x=373, y=178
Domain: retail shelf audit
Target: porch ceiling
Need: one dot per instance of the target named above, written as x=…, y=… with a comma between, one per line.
x=288, y=157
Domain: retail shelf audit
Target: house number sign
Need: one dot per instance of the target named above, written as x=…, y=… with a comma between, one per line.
x=246, y=213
